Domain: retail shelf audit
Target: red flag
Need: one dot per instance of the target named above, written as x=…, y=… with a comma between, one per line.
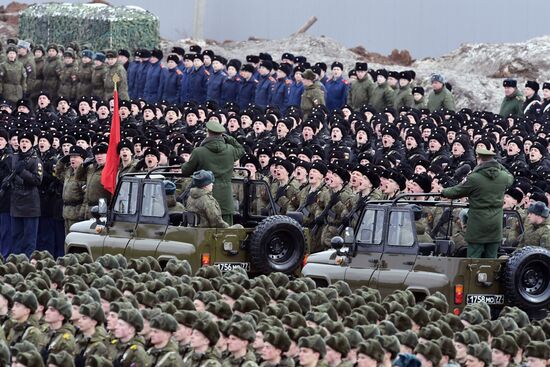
x=110, y=171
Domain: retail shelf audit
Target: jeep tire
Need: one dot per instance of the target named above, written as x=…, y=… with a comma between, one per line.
x=526, y=278
x=277, y=245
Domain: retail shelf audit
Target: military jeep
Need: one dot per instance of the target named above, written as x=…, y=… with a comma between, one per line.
x=383, y=251
x=137, y=223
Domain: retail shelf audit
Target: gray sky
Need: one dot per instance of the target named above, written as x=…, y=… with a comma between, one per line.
x=424, y=27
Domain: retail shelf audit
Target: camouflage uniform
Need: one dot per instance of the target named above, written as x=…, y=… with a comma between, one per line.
x=84, y=87
x=208, y=359
x=87, y=347
x=109, y=85
x=287, y=197
x=68, y=81
x=511, y=229
x=285, y=362
x=313, y=96
x=94, y=188
x=13, y=80
x=167, y=356
x=26, y=331
x=51, y=72
x=536, y=235
x=132, y=354
x=206, y=207
x=335, y=215
x=98, y=84
x=58, y=340
x=249, y=360
x=39, y=62
x=73, y=194
x=30, y=70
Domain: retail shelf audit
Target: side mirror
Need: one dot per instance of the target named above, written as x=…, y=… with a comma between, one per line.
x=349, y=235
x=337, y=243
x=102, y=207
x=95, y=212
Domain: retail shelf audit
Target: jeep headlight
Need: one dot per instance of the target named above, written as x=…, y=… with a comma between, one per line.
x=227, y=246
x=481, y=277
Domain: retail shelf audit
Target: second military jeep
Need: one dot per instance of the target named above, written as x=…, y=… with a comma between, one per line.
x=383, y=251
x=138, y=223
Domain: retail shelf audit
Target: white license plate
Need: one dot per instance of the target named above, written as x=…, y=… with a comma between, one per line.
x=224, y=267
x=490, y=299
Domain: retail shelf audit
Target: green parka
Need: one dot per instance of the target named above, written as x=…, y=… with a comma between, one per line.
x=485, y=188
x=441, y=99
x=13, y=80
x=360, y=92
x=217, y=154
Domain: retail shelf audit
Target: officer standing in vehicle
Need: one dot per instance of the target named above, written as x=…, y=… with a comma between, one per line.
x=217, y=153
x=485, y=188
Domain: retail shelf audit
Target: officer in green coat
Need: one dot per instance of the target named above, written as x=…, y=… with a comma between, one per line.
x=201, y=201
x=538, y=231
x=512, y=104
x=440, y=97
x=94, y=187
x=27, y=59
x=51, y=72
x=382, y=94
x=113, y=68
x=404, y=97
x=68, y=77
x=313, y=94
x=217, y=153
x=13, y=78
x=85, y=72
x=485, y=188
x=361, y=89
x=98, y=75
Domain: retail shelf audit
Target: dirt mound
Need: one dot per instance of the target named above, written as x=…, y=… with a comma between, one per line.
x=397, y=57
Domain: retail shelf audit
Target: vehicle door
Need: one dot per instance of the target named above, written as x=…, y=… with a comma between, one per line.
x=122, y=217
x=152, y=220
x=400, y=251
x=368, y=247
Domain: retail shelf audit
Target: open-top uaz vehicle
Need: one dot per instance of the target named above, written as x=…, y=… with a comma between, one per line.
x=137, y=223
x=383, y=252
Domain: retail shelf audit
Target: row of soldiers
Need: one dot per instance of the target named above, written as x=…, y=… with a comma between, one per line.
x=331, y=162
x=24, y=72
x=114, y=312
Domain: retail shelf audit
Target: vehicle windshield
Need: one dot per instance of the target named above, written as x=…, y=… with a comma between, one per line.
x=372, y=225
x=126, y=200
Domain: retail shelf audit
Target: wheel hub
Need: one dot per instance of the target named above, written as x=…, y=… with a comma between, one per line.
x=278, y=249
x=532, y=280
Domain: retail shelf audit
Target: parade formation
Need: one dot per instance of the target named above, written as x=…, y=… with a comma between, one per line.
x=246, y=147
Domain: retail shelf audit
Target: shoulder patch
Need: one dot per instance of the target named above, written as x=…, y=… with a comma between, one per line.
x=206, y=72
x=133, y=347
x=178, y=71
x=345, y=81
x=114, y=341
x=66, y=336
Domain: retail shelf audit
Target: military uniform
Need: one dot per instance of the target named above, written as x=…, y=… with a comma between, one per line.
x=98, y=83
x=381, y=97
x=30, y=69
x=94, y=188
x=73, y=193
x=206, y=207
x=109, y=85
x=68, y=81
x=85, y=87
x=25, y=331
x=360, y=92
x=131, y=354
x=285, y=196
x=313, y=96
x=13, y=80
x=59, y=340
x=512, y=105
x=536, y=235
x=403, y=98
x=442, y=99
x=52, y=71
x=249, y=360
x=335, y=214
x=87, y=347
x=166, y=357
x=208, y=359
x=39, y=63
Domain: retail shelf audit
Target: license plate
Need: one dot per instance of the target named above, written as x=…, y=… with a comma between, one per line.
x=224, y=267
x=490, y=299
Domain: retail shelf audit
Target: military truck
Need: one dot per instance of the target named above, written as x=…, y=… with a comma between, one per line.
x=138, y=223
x=383, y=251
